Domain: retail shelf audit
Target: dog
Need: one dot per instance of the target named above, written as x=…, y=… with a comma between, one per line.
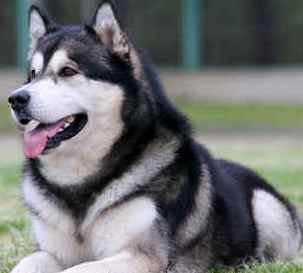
x=114, y=181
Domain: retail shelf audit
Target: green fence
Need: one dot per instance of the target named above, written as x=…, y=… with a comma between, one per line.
x=181, y=33
x=22, y=36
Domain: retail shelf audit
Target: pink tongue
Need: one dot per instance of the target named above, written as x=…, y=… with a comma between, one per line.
x=36, y=140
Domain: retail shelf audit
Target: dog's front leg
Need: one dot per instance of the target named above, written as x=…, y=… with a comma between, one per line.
x=39, y=262
x=125, y=262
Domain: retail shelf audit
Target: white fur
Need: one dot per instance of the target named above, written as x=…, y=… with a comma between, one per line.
x=59, y=60
x=47, y=211
x=40, y=262
x=37, y=62
x=60, y=243
x=103, y=104
x=46, y=94
x=37, y=29
x=106, y=19
x=109, y=30
x=126, y=261
x=52, y=226
x=113, y=230
x=277, y=231
x=122, y=227
x=54, y=229
x=15, y=117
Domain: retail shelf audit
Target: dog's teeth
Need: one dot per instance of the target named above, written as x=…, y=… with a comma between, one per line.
x=70, y=119
x=61, y=130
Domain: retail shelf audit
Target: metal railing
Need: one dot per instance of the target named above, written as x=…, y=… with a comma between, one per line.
x=192, y=33
x=22, y=33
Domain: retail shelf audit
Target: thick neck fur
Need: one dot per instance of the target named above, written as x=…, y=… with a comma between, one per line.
x=77, y=199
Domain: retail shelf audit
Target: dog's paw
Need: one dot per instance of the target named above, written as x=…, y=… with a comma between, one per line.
x=27, y=267
x=38, y=263
x=23, y=269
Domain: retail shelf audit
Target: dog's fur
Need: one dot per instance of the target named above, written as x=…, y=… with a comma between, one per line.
x=133, y=192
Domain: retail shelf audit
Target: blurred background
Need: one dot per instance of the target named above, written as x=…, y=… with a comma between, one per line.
x=234, y=67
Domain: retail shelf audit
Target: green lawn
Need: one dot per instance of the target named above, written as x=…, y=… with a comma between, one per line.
x=283, y=166
x=14, y=227
x=228, y=118
x=6, y=123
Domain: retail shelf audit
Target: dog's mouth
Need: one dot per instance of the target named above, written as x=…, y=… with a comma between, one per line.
x=45, y=137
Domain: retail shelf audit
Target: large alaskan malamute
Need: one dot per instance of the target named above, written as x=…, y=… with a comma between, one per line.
x=114, y=181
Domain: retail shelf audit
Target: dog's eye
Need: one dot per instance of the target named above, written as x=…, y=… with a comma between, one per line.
x=67, y=72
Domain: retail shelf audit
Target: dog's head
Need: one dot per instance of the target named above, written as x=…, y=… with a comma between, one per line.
x=81, y=83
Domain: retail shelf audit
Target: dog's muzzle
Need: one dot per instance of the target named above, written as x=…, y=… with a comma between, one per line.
x=19, y=103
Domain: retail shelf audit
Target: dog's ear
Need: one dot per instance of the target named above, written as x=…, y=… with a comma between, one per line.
x=107, y=25
x=39, y=25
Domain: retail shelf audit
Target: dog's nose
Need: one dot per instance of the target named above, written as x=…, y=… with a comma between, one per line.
x=19, y=100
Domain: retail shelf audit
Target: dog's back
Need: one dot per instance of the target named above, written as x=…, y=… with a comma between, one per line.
x=248, y=220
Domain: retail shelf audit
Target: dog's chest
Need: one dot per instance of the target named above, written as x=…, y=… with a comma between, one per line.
x=56, y=230
x=102, y=233
x=69, y=242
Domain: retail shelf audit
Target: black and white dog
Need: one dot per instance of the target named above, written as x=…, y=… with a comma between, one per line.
x=114, y=181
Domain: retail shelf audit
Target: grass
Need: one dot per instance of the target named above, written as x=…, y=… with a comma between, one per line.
x=283, y=166
x=15, y=241
x=266, y=268
x=230, y=118
x=6, y=123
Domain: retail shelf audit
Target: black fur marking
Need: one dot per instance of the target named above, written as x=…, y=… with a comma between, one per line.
x=185, y=201
x=235, y=234
x=168, y=116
